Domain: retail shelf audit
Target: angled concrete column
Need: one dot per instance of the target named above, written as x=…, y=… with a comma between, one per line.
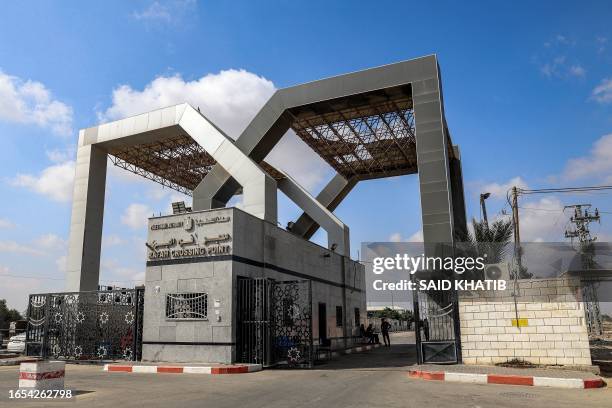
x=432, y=159
x=259, y=189
x=220, y=186
x=331, y=195
x=337, y=232
x=83, y=263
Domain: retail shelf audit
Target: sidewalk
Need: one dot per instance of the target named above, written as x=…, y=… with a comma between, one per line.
x=509, y=376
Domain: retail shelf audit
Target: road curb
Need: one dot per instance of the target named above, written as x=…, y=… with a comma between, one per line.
x=233, y=369
x=531, y=381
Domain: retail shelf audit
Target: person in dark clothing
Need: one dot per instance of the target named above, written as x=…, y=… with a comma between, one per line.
x=426, y=329
x=369, y=333
x=362, y=331
x=384, y=328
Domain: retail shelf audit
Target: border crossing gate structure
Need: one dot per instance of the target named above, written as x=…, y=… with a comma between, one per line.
x=376, y=123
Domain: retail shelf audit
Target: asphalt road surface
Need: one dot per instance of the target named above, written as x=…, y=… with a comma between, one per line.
x=373, y=379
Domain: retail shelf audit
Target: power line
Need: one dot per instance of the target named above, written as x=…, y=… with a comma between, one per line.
x=563, y=190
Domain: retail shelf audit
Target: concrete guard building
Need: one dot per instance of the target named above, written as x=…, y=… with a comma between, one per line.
x=228, y=284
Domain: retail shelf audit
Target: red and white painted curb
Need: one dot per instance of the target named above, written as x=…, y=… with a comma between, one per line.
x=508, y=379
x=233, y=369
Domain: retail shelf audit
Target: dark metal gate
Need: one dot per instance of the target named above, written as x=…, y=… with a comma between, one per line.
x=97, y=325
x=274, y=322
x=437, y=327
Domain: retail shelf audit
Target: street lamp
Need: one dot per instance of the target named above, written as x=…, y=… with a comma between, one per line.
x=483, y=197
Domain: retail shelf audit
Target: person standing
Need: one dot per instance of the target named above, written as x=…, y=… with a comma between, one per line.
x=384, y=328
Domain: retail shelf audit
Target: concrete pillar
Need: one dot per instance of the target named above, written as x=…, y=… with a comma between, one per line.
x=83, y=263
x=331, y=195
x=259, y=189
x=433, y=162
x=337, y=232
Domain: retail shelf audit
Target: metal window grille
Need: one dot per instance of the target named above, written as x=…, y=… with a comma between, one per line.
x=187, y=306
x=338, y=316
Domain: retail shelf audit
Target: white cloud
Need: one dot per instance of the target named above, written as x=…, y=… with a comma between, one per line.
x=397, y=237
x=601, y=44
x=61, y=155
x=553, y=68
x=61, y=263
x=54, y=182
x=165, y=12
x=50, y=242
x=112, y=240
x=4, y=223
x=136, y=215
x=16, y=248
x=598, y=163
x=577, y=70
x=498, y=190
x=230, y=98
x=602, y=93
x=112, y=273
x=541, y=220
x=298, y=160
x=30, y=102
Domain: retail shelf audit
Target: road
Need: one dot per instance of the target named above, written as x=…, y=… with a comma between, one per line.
x=373, y=379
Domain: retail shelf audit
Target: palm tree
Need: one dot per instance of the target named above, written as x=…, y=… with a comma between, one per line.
x=491, y=242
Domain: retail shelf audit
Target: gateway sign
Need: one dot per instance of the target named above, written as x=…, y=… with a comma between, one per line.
x=186, y=236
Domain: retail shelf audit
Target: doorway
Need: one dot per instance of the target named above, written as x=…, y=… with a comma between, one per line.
x=322, y=323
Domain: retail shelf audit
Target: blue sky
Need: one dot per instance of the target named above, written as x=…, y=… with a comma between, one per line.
x=527, y=87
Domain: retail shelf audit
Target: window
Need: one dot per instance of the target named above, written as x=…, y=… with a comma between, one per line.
x=192, y=306
x=357, y=317
x=338, y=316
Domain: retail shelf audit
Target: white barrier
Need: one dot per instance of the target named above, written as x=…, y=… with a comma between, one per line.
x=42, y=375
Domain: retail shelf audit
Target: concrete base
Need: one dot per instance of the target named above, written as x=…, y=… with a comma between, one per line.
x=42, y=375
x=187, y=353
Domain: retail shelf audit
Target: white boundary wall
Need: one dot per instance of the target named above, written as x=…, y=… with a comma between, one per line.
x=551, y=314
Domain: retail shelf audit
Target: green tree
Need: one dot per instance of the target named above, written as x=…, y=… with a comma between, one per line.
x=7, y=315
x=393, y=314
x=493, y=242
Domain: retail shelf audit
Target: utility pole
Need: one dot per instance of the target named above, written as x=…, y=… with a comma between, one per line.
x=483, y=197
x=581, y=220
x=517, y=234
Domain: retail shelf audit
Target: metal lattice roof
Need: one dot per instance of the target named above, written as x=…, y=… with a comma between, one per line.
x=368, y=135
x=177, y=162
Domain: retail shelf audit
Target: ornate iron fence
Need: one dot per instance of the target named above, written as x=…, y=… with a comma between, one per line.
x=98, y=325
x=292, y=323
x=274, y=322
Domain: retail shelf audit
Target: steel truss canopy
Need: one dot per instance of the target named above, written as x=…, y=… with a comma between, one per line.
x=177, y=162
x=366, y=136
x=375, y=123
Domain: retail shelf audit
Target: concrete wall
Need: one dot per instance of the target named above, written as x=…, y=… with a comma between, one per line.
x=258, y=249
x=555, y=331
x=279, y=249
x=213, y=277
